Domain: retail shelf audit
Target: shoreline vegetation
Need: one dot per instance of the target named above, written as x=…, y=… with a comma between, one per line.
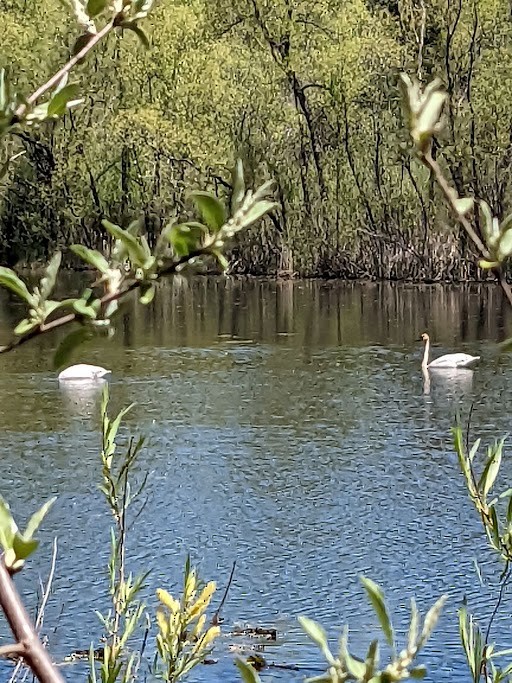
x=304, y=93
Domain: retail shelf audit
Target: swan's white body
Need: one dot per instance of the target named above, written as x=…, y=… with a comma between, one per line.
x=82, y=371
x=451, y=360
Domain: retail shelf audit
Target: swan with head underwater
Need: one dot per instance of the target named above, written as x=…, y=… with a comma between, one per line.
x=451, y=360
x=83, y=372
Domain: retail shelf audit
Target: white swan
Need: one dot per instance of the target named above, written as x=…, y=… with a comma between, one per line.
x=451, y=360
x=82, y=371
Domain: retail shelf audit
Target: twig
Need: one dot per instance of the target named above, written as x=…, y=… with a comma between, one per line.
x=504, y=582
x=215, y=618
x=451, y=197
x=14, y=650
x=57, y=77
x=23, y=630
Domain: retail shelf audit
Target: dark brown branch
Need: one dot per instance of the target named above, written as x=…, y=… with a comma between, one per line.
x=23, y=630
x=216, y=617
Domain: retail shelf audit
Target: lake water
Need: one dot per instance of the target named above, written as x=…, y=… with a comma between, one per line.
x=288, y=428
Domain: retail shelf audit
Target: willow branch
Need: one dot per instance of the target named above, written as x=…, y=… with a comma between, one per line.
x=57, y=77
x=23, y=630
x=119, y=295
x=13, y=650
x=451, y=197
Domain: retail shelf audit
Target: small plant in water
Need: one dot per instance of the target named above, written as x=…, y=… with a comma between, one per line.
x=184, y=640
x=118, y=663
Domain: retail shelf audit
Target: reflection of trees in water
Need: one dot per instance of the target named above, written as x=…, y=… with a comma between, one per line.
x=311, y=313
x=305, y=314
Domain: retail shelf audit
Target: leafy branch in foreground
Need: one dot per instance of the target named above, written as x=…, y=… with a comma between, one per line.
x=133, y=265
x=492, y=239
x=347, y=667
x=17, y=109
x=17, y=547
x=495, y=511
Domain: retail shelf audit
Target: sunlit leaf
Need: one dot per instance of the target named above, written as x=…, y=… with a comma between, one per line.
x=147, y=294
x=238, y=183
x=91, y=256
x=11, y=281
x=258, y=211
x=376, y=597
x=37, y=518
x=134, y=249
x=248, y=672
x=8, y=527
x=464, y=205
x=61, y=100
x=24, y=547
x=50, y=276
x=314, y=631
x=83, y=308
x=25, y=325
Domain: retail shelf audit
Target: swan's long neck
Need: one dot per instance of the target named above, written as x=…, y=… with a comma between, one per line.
x=425, y=355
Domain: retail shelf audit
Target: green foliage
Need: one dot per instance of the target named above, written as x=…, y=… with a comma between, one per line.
x=497, y=525
x=184, y=639
x=18, y=546
x=306, y=97
x=347, y=667
x=127, y=611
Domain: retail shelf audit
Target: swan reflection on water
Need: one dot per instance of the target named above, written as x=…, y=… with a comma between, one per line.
x=459, y=380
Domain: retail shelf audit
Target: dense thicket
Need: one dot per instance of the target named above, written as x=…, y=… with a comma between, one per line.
x=304, y=91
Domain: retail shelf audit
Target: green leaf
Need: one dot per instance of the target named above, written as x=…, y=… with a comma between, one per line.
x=50, y=276
x=23, y=547
x=11, y=281
x=69, y=344
x=147, y=294
x=486, y=221
x=505, y=245
x=95, y=7
x=431, y=620
x=248, y=673
x=134, y=249
x=431, y=113
x=211, y=209
x=314, y=631
x=186, y=237
x=37, y=518
x=62, y=100
x=8, y=527
x=25, y=325
x=487, y=265
x=83, y=308
x=238, y=182
x=491, y=469
x=259, y=210
x=464, y=205
x=377, y=601
x=91, y=256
